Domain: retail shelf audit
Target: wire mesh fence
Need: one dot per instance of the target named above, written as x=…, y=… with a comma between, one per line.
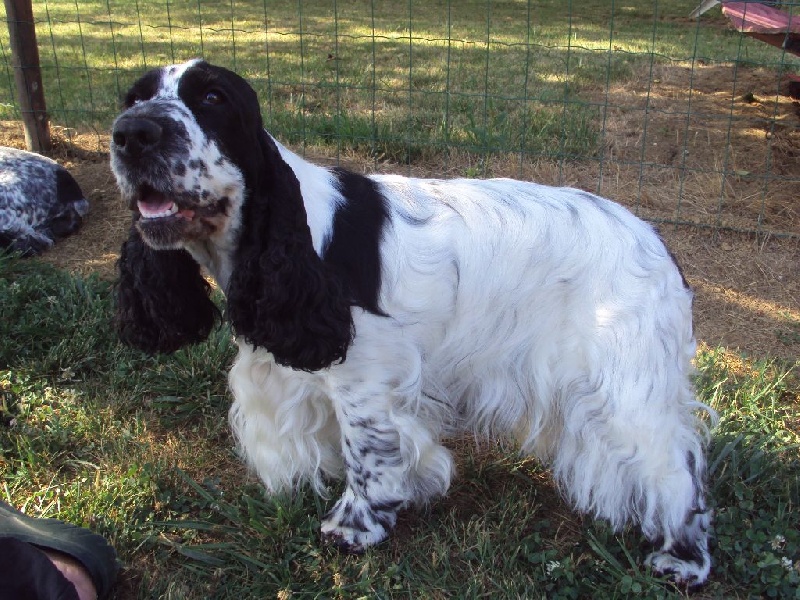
x=687, y=120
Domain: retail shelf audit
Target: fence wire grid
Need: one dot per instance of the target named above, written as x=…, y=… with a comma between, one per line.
x=686, y=120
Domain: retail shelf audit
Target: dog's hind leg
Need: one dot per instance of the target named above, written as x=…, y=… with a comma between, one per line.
x=640, y=463
x=682, y=553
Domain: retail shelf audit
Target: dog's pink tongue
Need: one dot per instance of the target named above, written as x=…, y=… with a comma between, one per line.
x=154, y=204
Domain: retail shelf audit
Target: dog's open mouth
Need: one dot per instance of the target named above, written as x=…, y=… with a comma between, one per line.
x=167, y=221
x=153, y=204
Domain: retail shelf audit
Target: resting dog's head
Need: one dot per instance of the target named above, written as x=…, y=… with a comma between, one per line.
x=198, y=171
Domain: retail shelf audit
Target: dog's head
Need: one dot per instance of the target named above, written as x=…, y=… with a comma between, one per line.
x=177, y=151
x=198, y=171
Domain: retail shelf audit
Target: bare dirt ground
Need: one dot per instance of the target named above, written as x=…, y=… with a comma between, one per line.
x=747, y=287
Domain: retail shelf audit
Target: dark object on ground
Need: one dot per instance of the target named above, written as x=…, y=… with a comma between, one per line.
x=27, y=573
x=18, y=530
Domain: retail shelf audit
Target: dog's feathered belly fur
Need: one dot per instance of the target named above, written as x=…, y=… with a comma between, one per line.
x=376, y=316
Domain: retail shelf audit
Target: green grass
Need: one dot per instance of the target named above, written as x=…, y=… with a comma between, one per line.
x=397, y=81
x=138, y=449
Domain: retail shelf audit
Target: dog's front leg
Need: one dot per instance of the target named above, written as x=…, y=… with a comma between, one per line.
x=392, y=458
x=375, y=480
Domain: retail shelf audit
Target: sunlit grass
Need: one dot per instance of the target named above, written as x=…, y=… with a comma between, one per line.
x=402, y=81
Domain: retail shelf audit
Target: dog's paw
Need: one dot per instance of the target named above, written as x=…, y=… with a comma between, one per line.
x=687, y=573
x=348, y=539
x=353, y=525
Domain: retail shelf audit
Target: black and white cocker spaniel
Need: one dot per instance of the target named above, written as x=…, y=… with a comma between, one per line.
x=40, y=202
x=376, y=315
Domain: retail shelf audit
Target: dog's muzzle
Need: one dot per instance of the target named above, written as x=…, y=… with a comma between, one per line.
x=134, y=137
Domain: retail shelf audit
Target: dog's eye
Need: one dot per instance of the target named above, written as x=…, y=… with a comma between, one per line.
x=213, y=98
x=132, y=99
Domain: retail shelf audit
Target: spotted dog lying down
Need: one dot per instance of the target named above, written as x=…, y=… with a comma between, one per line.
x=376, y=315
x=40, y=202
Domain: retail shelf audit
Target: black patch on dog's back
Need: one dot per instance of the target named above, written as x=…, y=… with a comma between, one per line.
x=67, y=189
x=354, y=248
x=65, y=217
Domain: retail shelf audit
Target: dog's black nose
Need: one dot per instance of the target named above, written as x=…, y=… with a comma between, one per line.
x=136, y=135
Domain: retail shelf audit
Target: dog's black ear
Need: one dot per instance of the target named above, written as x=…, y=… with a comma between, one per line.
x=281, y=295
x=162, y=298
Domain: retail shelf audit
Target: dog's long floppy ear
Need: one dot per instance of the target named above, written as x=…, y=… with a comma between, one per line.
x=162, y=298
x=281, y=295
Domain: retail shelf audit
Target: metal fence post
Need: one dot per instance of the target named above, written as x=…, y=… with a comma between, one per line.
x=27, y=74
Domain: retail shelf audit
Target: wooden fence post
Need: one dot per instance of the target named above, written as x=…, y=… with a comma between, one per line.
x=27, y=74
